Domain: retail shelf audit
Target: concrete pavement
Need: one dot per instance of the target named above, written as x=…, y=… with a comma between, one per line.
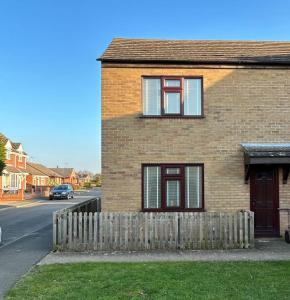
x=265, y=250
x=27, y=235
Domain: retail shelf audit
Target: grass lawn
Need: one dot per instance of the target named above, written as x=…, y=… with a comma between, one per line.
x=186, y=280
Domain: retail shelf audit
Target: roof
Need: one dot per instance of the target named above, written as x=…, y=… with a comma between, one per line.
x=197, y=51
x=15, y=145
x=30, y=168
x=267, y=149
x=43, y=169
x=64, y=172
x=11, y=169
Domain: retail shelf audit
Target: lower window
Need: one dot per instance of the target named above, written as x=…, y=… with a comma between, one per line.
x=172, y=187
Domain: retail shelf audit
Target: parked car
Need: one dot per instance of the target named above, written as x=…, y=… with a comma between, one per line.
x=63, y=191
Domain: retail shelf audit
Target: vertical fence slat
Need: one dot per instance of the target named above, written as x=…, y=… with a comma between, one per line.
x=64, y=231
x=75, y=230
x=252, y=234
x=90, y=245
x=230, y=226
x=241, y=235
x=235, y=221
x=80, y=239
x=246, y=233
x=85, y=230
x=152, y=231
x=96, y=231
x=70, y=230
x=59, y=234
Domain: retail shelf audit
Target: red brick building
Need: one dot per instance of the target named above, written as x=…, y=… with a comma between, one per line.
x=69, y=175
x=13, y=179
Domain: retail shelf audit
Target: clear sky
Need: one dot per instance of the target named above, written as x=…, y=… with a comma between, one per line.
x=49, y=77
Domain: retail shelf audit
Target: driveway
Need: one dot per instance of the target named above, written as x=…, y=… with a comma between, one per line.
x=27, y=234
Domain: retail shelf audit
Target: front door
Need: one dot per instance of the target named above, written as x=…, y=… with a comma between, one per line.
x=264, y=200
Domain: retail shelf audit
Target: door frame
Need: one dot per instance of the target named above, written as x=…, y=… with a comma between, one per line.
x=276, y=200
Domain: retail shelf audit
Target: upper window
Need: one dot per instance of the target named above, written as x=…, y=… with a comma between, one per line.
x=172, y=96
x=173, y=187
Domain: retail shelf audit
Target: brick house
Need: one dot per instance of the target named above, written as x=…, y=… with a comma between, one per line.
x=36, y=181
x=13, y=179
x=197, y=126
x=69, y=175
x=40, y=179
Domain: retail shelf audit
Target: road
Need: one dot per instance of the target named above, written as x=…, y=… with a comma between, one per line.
x=27, y=235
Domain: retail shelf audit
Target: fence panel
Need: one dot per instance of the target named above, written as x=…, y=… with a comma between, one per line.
x=147, y=231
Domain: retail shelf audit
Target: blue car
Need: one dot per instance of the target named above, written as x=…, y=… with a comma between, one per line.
x=63, y=191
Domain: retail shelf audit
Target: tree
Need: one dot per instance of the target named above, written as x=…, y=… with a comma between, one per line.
x=98, y=180
x=85, y=173
x=2, y=157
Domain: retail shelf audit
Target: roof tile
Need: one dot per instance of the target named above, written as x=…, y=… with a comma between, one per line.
x=196, y=51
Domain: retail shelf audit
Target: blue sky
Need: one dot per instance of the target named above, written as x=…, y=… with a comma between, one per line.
x=49, y=77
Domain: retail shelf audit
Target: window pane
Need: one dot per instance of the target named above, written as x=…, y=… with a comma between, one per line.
x=192, y=97
x=152, y=183
x=172, y=193
x=151, y=96
x=172, y=103
x=172, y=83
x=193, y=187
x=172, y=171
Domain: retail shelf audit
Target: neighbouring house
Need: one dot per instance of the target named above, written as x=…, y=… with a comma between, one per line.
x=197, y=126
x=54, y=177
x=37, y=182
x=13, y=179
x=69, y=175
x=41, y=179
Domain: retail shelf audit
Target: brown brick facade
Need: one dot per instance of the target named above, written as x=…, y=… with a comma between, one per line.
x=240, y=105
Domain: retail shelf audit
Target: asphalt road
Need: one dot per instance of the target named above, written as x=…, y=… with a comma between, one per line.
x=27, y=235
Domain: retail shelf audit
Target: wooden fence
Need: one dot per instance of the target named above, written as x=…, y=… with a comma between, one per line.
x=103, y=231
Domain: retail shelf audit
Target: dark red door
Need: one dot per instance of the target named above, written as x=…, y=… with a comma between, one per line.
x=264, y=200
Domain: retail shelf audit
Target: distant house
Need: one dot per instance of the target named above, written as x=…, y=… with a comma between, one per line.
x=69, y=175
x=54, y=177
x=13, y=179
x=37, y=181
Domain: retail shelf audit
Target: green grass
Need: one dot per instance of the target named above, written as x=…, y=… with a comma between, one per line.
x=187, y=280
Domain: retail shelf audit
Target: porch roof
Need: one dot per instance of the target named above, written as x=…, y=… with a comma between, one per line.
x=11, y=169
x=266, y=153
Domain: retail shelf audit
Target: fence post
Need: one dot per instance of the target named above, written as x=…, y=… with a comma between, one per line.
x=252, y=228
x=59, y=231
x=64, y=230
x=54, y=230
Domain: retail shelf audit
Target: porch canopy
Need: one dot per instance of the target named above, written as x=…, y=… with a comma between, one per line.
x=267, y=154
